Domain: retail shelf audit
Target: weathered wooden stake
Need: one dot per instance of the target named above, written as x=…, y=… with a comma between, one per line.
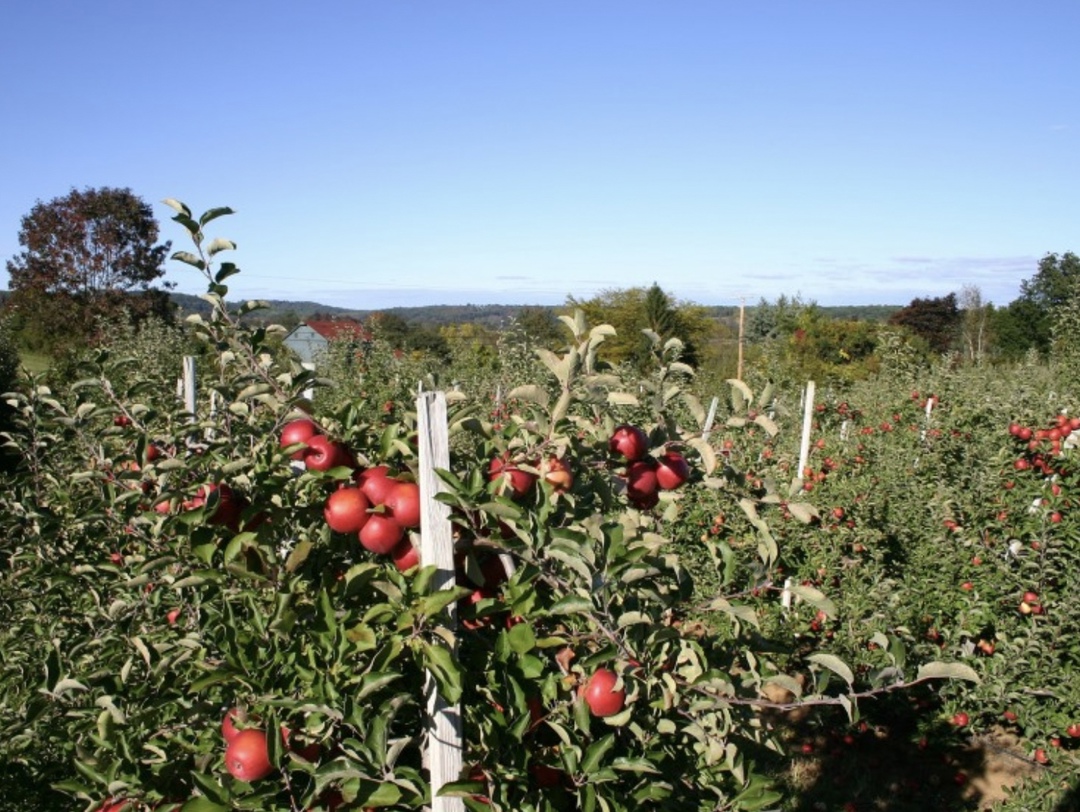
x=444, y=725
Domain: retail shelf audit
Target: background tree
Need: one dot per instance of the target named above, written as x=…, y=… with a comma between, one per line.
x=768, y=320
x=975, y=320
x=937, y=320
x=541, y=327
x=88, y=256
x=631, y=310
x=1053, y=285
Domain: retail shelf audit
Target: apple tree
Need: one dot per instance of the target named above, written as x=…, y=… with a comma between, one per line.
x=224, y=609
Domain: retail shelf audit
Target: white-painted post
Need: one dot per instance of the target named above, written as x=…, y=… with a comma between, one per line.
x=309, y=393
x=785, y=594
x=808, y=419
x=706, y=430
x=443, y=754
x=189, y=385
x=213, y=412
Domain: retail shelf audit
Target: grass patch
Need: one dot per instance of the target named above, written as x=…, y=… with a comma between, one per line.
x=35, y=362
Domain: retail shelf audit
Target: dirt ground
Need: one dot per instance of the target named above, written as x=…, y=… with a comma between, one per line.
x=901, y=757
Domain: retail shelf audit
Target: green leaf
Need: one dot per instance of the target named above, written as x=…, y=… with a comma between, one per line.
x=596, y=752
x=221, y=674
x=521, y=638
x=462, y=789
x=362, y=636
x=177, y=206
x=634, y=765
x=190, y=259
x=213, y=214
x=758, y=795
x=938, y=670
x=191, y=226
x=571, y=605
x=226, y=270
x=740, y=394
x=217, y=245
x=802, y=511
x=440, y=662
x=815, y=598
x=201, y=803
x=431, y=605
x=622, y=399
x=532, y=394
x=770, y=427
x=211, y=789
x=374, y=682
x=834, y=664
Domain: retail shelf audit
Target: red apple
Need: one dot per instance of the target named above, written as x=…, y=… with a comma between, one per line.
x=247, y=756
x=629, y=441
x=510, y=477
x=642, y=483
x=601, y=695
x=298, y=431
x=672, y=470
x=381, y=533
x=960, y=719
x=227, y=511
x=346, y=510
x=322, y=454
x=403, y=502
x=376, y=483
x=405, y=555
x=546, y=776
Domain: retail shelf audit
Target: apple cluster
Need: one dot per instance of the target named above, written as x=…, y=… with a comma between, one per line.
x=247, y=754
x=646, y=475
x=1038, y=442
x=377, y=506
x=247, y=750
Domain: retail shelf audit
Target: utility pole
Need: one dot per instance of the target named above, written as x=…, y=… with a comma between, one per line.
x=742, y=321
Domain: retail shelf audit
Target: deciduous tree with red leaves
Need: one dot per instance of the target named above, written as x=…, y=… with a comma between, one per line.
x=87, y=256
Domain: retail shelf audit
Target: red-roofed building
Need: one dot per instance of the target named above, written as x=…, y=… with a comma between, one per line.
x=313, y=337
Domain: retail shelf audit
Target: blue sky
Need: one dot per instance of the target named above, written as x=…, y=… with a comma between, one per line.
x=401, y=152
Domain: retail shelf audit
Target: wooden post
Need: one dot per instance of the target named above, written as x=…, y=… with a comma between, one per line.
x=189, y=385
x=742, y=322
x=443, y=754
x=808, y=419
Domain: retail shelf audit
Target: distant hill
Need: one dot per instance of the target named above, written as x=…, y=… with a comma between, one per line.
x=290, y=312
x=281, y=310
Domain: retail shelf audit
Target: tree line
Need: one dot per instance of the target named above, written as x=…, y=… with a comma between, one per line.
x=92, y=258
